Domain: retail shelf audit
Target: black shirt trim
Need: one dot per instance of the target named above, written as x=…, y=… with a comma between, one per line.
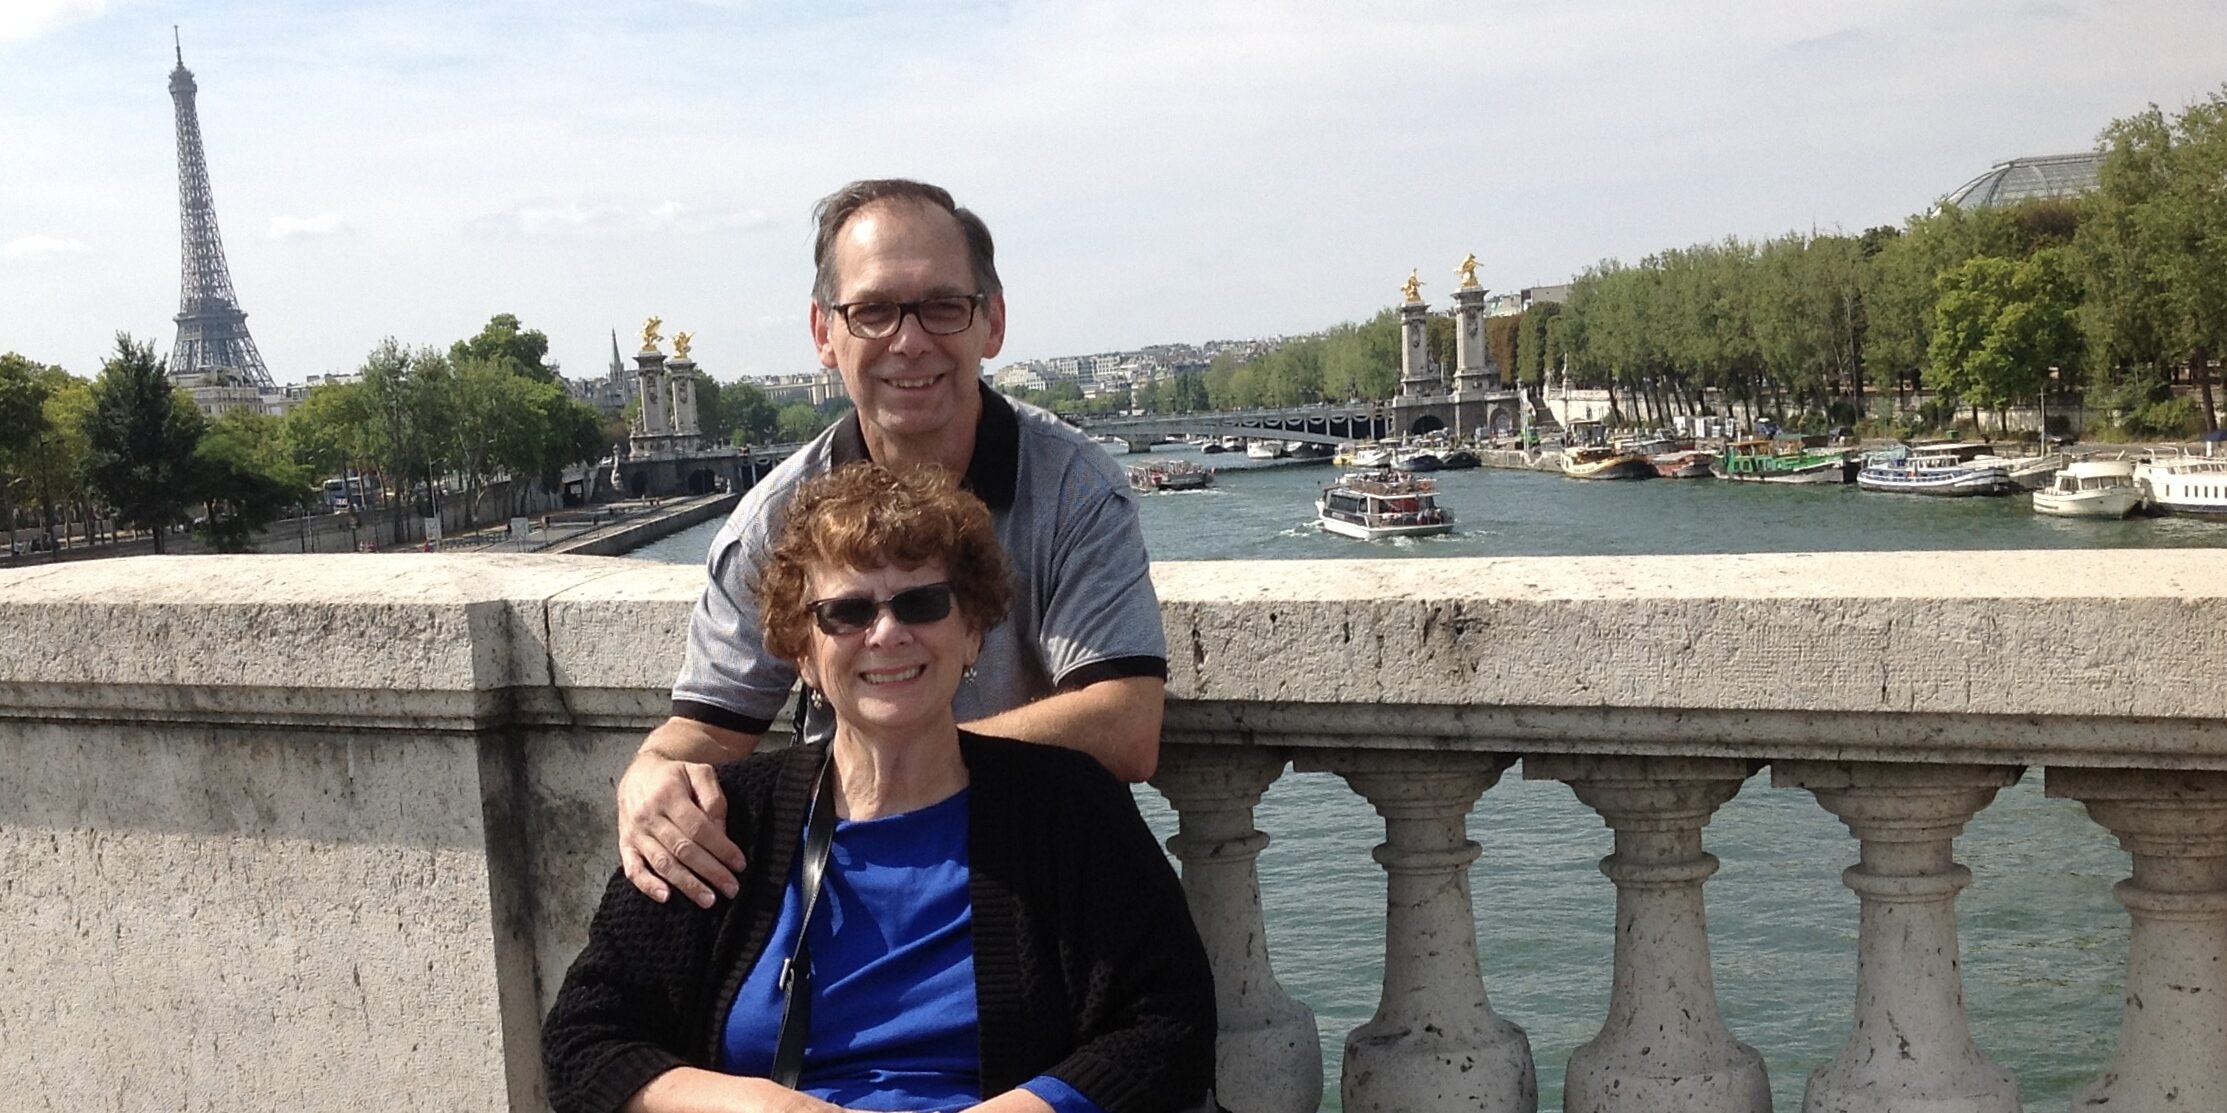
x=1113, y=668
x=711, y=714
x=993, y=472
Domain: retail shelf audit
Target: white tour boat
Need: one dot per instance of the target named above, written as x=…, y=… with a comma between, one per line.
x=2183, y=485
x=1264, y=450
x=2091, y=489
x=1374, y=504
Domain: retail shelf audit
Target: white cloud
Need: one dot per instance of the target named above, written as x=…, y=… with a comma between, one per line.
x=40, y=247
x=27, y=19
x=307, y=227
x=575, y=219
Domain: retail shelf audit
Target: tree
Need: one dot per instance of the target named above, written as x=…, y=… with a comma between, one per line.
x=2159, y=186
x=505, y=341
x=736, y=413
x=23, y=394
x=2001, y=324
x=140, y=440
x=55, y=470
x=246, y=477
x=798, y=422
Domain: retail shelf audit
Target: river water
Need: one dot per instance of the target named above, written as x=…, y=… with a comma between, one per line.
x=2043, y=942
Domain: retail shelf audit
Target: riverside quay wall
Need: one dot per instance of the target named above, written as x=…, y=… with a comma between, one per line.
x=323, y=832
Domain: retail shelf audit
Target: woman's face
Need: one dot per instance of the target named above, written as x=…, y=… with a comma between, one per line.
x=888, y=675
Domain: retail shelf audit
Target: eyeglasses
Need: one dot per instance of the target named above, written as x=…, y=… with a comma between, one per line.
x=914, y=606
x=880, y=320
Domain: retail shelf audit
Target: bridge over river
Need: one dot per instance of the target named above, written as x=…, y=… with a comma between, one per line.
x=1325, y=423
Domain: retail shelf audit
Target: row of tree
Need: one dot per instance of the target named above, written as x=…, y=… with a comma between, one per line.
x=2106, y=297
x=129, y=441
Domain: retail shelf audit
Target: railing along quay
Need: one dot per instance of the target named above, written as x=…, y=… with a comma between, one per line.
x=287, y=831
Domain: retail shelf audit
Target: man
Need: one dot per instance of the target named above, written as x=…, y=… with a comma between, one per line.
x=906, y=305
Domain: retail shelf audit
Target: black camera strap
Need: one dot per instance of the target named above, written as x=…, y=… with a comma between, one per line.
x=796, y=970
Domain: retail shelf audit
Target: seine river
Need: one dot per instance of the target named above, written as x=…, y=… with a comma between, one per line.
x=2043, y=941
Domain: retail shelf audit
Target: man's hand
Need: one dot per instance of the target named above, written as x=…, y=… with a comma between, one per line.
x=672, y=816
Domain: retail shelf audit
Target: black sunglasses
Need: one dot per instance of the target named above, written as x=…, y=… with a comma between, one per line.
x=914, y=606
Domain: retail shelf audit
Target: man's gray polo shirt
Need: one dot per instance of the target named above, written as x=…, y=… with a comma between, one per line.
x=1083, y=605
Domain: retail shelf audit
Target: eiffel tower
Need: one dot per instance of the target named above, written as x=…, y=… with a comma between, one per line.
x=213, y=345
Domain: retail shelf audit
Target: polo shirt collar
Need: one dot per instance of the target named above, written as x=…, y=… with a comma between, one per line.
x=993, y=470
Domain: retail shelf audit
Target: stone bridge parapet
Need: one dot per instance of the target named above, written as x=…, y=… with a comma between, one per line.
x=311, y=832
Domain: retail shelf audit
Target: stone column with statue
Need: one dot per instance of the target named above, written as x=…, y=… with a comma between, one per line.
x=683, y=373
x=1417, y=378
x=1474, y=368
x=655, y=424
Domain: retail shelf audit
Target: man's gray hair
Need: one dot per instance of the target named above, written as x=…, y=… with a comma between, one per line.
x=837, y=208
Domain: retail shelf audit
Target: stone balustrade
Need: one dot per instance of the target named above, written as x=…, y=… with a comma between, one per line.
x=320, y=832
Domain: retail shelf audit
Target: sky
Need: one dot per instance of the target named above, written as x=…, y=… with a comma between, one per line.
x=1153, y=172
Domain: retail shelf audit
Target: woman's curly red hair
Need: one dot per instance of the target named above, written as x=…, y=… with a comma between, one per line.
x=864, y=516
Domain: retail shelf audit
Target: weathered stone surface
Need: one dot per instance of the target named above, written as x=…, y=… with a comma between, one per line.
x=283, y=832
x=201, y=920
x=1885, y=656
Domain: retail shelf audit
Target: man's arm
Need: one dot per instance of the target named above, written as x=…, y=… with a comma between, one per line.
x=1116, y=721
x=672, y=816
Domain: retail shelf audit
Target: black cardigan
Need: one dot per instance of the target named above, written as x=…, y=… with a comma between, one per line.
x=1086, y=963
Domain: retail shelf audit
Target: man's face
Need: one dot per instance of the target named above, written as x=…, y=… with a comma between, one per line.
x=911, y=384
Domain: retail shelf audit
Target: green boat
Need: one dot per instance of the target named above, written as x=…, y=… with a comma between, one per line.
x=1761, y=461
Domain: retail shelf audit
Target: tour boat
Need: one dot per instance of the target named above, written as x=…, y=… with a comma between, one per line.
x=1944, y=470
x=1596, y=462
x=1169, y=475
x=1373, y=504
x=2091, y=489
x=1264, y=450
x=1762, y=461
x=2195, y=485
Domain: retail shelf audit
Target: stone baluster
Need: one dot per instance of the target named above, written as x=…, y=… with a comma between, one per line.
x=1911, y=1049
x=1664, y=1046
x=1268, y=1057
x=1435, y=1042
x=2172, y=1052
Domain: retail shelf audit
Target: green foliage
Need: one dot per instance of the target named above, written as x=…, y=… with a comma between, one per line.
x=23, y=422
x=2001, y=324
x=736, y=413
x=798, y=422
x=245, y=473
x=504, y=340
x=140, y=436
x=2152, y=244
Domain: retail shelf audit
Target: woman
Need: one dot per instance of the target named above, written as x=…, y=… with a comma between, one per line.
x=993, y=922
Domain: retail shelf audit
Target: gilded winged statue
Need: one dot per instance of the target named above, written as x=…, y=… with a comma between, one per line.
x=650, y=334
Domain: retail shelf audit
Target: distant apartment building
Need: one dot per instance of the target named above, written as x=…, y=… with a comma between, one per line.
x=813, y=388
x=1510, y=304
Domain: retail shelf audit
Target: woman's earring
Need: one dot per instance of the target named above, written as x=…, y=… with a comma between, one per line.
x=814, y=697
x=968, y=674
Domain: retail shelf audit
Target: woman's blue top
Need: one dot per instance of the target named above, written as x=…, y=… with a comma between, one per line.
x=893, y=1008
